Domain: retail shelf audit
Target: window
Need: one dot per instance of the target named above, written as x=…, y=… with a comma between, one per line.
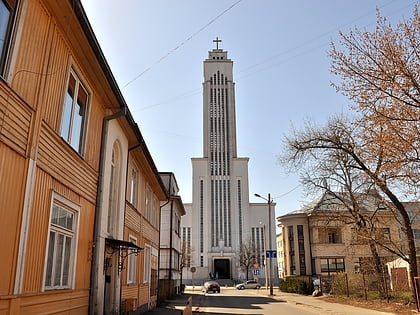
x=147, y=264
x=134, y=187
x=356, y=263
x=416, y=233
x=386, y=233
x=131, y=264
x=329, y=235
x=148, y=204
x=6, y=16
x=332, y=265
x=61, y=242
x=114, y=189
x=74, y=113
x=332, y=237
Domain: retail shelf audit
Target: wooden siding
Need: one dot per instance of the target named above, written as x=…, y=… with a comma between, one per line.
x=84, y=247
x=56, y=80
x=12, y=183
x=132, y=219
x=31, y=68
x=15, y=119
x=61, y=161
x=38, y=233
x=66, y=302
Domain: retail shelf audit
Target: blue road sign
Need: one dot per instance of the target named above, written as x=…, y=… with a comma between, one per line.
x=271, y=253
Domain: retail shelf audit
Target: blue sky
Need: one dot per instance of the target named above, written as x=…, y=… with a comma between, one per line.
x=156, y=48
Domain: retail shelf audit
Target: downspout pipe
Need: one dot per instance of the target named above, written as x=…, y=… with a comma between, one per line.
x=98, y=211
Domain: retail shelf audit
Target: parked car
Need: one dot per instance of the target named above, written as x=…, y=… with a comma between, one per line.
x=212, y=286
x=250, y=284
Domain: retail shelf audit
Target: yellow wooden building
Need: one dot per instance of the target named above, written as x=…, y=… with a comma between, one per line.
x=66, y=135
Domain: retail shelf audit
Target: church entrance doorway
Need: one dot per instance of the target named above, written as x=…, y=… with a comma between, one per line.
x=222, y=268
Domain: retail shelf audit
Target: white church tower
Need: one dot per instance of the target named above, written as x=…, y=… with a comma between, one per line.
x=220, y=218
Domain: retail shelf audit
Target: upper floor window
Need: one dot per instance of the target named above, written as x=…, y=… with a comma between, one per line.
x=134, y=187
x=329, y=235
x=60, y=260
x=6, y=9
x=148, y=204
x=114, y=190
x=73, y=126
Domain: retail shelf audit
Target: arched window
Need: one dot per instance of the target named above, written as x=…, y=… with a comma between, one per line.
x=114, y=190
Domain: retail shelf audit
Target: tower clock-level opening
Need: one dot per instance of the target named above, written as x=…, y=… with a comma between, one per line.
x=222, y=268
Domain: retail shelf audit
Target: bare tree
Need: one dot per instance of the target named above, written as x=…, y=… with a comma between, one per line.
x=248, y=256
x=380, y=72
x=316, y=148
x=185, y=257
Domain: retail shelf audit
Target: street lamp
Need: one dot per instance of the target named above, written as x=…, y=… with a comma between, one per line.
x=265, y=251
x=269, y=202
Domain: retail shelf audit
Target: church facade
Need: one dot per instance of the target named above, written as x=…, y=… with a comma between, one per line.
x=221, y=222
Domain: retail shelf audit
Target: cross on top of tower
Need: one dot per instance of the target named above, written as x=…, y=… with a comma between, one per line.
x=217, y=41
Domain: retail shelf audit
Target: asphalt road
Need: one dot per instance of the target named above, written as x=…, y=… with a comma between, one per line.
x=231, y=301
x=250, y=301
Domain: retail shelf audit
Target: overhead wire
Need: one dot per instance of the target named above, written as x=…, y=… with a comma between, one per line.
x=273, y=57
x=183, y=43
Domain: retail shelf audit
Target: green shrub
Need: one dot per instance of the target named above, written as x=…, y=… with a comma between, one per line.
x=296, y=285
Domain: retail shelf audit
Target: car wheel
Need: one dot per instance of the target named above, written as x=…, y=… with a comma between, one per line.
x=257, y=287
x=241, y=287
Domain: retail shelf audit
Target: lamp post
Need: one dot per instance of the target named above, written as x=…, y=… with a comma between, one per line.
x=265, y=251
x=269, y=201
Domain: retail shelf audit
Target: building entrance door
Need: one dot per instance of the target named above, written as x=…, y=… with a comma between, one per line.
x=222, y=268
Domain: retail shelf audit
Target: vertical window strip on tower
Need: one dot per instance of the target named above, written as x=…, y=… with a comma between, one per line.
x=223, y=131
x=240, y=210
x=217, y=209
x=201, y=216
x=257, y=243
x=212, y=213
x=229, y=214
x=225, y=226
x=227, y=132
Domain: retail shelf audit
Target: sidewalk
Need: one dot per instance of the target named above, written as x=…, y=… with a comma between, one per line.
x=175, y=305
x=318, y=303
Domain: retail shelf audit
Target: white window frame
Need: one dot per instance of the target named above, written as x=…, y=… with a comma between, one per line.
x=134, y=186
x=114, y=190
x=148, y=213
x=147, y=264
x=69, y=114
x=74, y=209
x=132, y=262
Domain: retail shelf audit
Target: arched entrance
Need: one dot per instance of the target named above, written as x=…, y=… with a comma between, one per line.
x=222, y=268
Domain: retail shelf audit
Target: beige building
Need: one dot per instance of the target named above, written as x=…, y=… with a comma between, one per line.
x=170, y=239
x=322, y=238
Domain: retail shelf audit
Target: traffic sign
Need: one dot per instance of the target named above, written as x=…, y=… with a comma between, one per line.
x=256, y=272
x=271, y=253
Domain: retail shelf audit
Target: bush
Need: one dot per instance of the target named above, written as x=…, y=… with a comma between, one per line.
x=296, y=285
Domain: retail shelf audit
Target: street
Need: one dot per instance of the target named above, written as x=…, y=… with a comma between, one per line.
x=251, y=301
x=232, y=301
